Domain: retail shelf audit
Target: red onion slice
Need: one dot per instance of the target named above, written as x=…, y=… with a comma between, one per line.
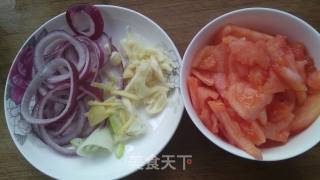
x=39, y=58
x=87, y=130
x=74, y=128
x=47, y=72
x=93, y=92
x=48, y=140
x=64, y=126
x=94, y=56
x=105, y=45
x=85, y=11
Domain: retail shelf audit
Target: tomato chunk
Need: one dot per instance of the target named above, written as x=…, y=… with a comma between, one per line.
x=249, y=53
x=253, y=132
x=193, y=84
x=246, y=101
x=273, y=84
x=210, y=57
x=204, y=94
x=204, y=59
x=263, y=118
x=298, y=50
x=306, y=114
x=281, y=107
x=205, y=77
x=233, y=129
x=240, y=32
x=314, y=80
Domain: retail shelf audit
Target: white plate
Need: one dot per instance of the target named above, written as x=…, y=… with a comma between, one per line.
x=139, y=151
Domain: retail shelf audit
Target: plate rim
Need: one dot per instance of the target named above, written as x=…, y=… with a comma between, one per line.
x=180, y=109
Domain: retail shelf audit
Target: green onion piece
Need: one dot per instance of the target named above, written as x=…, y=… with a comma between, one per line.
x=120, y=150
x=76, y=142
x=115, y=123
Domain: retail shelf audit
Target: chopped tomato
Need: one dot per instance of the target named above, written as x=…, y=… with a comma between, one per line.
x=210, y=57
x=280, y=116
x=241, y=70
x=257, y=76
x=253, y=132
x=233, y=129
x=220, y=82
x=229, y=38
x=281, y=107
x=221, y=54
x=291, y=78
x=248, y=53
x=306, y=114
x=205, y=116
x=223, y=134
x=205, y=77
x=263, y=118
x=204, y=94
x=273, y=84
x=278, y=131
x=314, y=80
x=204, y=59
x=284, y=63
x=208, y=118
x=280, y=52
x=193, y=84
x=301, y=97
x=298, y=50
x=249, y=34
x=309, y=67
x=301, y=68
x=246, y=101
x=214, y=124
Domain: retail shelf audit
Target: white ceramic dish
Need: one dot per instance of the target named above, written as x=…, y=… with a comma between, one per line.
x=139, y=151
x=270, y=21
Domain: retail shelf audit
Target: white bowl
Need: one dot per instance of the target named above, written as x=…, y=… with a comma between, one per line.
x=270, y=21
x=139, y=151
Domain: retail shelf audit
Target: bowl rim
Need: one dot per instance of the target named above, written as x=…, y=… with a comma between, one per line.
x=180, y=110
x=184, y=90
